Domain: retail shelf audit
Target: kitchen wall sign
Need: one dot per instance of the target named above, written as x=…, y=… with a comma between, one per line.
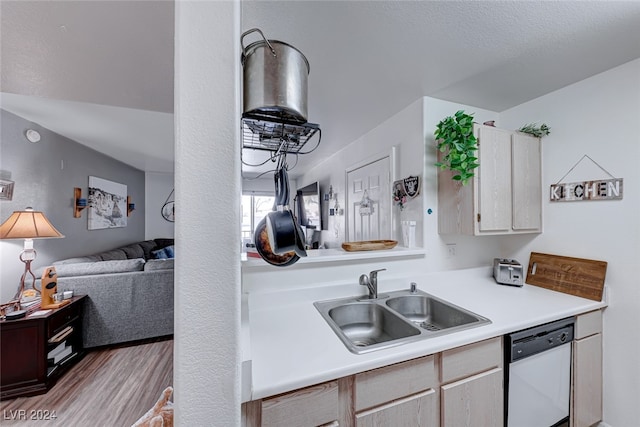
x=603, y=189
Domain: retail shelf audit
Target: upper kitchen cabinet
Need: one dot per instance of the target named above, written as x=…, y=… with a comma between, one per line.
x=504, y=196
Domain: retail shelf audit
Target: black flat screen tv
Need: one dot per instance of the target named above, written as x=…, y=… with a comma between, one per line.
x=308, y=207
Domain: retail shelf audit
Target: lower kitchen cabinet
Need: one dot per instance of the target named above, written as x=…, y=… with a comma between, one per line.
x=472, y=394
x=459, y=387
x=587, y=370
x=475, y=401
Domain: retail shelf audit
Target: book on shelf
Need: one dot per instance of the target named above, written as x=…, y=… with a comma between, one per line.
x=60, y=356
x=57, y=350
x=61, y=335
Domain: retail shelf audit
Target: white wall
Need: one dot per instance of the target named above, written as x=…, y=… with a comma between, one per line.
x=158, y=187
x=207, y=177
x=599, y=117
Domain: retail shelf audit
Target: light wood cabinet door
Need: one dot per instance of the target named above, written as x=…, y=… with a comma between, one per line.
x=418, y=410
x=476, y=401
x=526, y=185
x=493, y=180
x=587, y=381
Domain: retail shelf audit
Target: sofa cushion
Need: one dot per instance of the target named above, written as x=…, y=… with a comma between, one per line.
x=90, y=258
x=133, y=251
x=148, y=246
x=163, y=243
x=115, y=254
x=100, y=267
x=158, y=264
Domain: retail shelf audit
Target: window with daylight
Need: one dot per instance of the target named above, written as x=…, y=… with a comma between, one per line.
x=254, y=208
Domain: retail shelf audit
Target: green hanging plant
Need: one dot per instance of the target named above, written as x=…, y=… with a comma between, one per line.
x=454, y=137
x=535, y=130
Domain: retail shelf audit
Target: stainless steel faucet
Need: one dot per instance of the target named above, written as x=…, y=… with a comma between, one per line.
x=371, y=282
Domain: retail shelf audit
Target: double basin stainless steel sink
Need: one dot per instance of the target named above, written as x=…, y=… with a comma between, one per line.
x=394, y=318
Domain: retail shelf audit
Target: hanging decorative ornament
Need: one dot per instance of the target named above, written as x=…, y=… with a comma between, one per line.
x=168, y=210
x=366, y=205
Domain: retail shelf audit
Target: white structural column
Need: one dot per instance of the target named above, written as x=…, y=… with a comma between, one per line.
x=208, y=186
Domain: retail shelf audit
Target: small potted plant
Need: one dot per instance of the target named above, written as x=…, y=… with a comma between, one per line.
x=535, y=130
x=454, y=137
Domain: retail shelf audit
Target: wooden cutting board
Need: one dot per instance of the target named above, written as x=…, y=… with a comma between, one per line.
x=575, y=276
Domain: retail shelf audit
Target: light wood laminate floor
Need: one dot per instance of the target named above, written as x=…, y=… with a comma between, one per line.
x=109, y=387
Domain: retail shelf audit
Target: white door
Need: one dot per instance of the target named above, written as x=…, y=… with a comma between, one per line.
x=369, y=185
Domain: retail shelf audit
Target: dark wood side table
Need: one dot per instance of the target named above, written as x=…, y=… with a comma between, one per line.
x=37, y=350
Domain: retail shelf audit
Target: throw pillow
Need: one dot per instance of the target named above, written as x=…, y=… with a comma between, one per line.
x=163, y=253
x=133, y=251
x=170, y=251
x=163, y=243
x=160, y=254
x=115, y=254
x=147, y=247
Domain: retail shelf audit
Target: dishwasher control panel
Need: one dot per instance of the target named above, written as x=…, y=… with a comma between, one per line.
x=540, y=338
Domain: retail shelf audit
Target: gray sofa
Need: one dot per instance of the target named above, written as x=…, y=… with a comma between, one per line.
x=130, y=292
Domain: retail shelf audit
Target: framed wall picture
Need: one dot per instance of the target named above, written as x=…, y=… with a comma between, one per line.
x=6, y=189
x=107, y=204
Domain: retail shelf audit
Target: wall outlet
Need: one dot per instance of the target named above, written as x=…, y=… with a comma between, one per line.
x=451, y=250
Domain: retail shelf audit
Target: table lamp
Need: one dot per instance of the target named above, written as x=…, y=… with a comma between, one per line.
x=28, y=225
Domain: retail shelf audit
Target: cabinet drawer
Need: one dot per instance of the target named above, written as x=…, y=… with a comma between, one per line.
x=311, y=406
x=471, y=359
x=62, y=317
x=588, y=324
x=389, y=383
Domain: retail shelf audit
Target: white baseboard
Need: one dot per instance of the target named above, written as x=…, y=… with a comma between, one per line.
x=603, y=424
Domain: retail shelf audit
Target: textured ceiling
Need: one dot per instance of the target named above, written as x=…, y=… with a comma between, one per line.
x=369, y=59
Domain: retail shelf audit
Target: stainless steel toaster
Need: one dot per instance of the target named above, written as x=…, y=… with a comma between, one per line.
x=507, y=271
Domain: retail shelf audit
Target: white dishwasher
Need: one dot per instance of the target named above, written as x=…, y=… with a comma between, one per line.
x=538, y=375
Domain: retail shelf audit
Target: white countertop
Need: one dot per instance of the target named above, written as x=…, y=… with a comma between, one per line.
x=292, y=346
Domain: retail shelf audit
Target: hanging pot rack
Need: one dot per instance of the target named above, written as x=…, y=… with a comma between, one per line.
x=279, y=135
